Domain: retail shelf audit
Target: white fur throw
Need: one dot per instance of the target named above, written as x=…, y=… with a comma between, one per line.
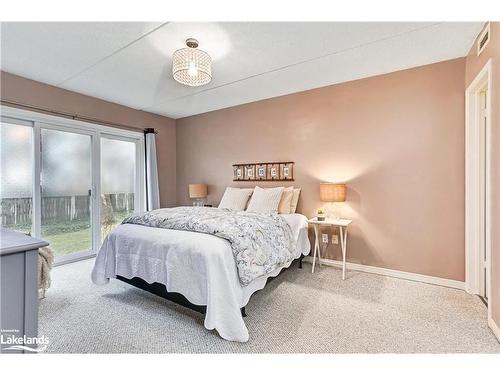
x=45, y=262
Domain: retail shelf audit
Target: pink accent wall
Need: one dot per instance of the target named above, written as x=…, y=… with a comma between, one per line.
x=26, y=91
x=397, y=140
x=473, y=66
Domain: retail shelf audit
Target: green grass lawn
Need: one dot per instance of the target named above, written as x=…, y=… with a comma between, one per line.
x=69, y=237
x=70, y=242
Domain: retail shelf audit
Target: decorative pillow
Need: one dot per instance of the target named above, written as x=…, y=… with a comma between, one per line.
x=286, y=201
x=235, y=199
x=265, y=200
x=295, y=199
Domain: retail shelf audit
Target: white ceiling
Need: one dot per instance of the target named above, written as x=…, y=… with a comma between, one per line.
x=130, y=63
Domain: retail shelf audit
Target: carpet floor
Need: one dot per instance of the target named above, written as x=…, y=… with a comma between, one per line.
x=296, y=312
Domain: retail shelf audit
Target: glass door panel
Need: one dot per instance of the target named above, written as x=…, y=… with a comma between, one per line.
x=66, y=184
x=16, y=169
x=118, y=181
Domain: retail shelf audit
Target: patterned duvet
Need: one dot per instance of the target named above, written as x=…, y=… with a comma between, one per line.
x=261, y=243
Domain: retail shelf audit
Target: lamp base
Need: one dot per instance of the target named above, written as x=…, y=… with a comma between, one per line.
x=334, y=212
x=200, y=202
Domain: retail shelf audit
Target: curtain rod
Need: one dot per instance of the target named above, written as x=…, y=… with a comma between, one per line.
x=67, y=115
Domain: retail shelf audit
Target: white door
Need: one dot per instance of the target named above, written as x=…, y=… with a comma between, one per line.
x=66, y=191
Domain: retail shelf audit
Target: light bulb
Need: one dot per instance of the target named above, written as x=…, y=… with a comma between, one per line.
x=192, y=70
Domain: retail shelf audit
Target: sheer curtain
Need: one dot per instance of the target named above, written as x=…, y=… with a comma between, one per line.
x=152, y=189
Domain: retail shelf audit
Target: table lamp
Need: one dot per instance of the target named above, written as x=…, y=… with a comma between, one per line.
x=333, y=193
x=198, y=192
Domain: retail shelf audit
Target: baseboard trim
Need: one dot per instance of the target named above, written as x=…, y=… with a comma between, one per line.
x=494, y=328
x=393, y=273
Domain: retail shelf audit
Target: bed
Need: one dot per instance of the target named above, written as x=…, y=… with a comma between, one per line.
x=202, y=268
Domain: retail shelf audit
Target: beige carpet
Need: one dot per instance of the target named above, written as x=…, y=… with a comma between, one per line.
x=296, y=312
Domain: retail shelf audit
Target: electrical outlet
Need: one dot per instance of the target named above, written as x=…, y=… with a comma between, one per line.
x=324, y=238
x=335, y=239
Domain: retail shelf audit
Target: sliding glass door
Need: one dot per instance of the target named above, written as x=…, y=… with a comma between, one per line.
x=66, y=187
x=16, y=184
x=68, y=182
x=118, y=181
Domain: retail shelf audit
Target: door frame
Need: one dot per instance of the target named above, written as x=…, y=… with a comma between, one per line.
x=478, y=196
x=40, y=120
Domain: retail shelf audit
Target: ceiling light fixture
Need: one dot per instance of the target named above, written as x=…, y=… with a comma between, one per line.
x=192, y=66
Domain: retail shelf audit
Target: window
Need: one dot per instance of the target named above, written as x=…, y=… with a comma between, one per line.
x=118, y=177
x=67, y=181
x=16, y=188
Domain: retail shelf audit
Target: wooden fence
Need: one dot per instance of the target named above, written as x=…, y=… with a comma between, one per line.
x=18, y=211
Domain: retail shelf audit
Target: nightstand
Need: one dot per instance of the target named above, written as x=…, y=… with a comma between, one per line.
x=342, y=224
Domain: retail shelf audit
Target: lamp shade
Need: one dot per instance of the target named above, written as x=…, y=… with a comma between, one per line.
x=198, y=191
x=329, y=192
x=191, y=66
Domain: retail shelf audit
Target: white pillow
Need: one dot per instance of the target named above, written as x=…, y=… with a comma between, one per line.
x=235, y=199
x=265, y=200
x=295, y=200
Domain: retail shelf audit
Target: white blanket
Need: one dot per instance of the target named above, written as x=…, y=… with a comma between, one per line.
x=199, y=266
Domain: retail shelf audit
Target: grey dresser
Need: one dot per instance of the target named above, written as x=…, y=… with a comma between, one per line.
x=18, y=287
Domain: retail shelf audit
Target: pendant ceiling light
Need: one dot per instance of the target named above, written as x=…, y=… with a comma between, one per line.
x=192, y=66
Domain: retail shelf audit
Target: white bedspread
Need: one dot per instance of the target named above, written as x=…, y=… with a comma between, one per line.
x=199, y=266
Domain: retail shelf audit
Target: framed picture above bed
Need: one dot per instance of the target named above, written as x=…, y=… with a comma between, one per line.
x=250, y=172
x=286, y=171
x=273, y=172
x=238, y=173
x=268, y=171
x=261, y=171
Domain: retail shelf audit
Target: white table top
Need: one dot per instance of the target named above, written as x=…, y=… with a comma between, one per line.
x=330, y=221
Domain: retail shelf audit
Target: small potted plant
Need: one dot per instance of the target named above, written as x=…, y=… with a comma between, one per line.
x=321, y=215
